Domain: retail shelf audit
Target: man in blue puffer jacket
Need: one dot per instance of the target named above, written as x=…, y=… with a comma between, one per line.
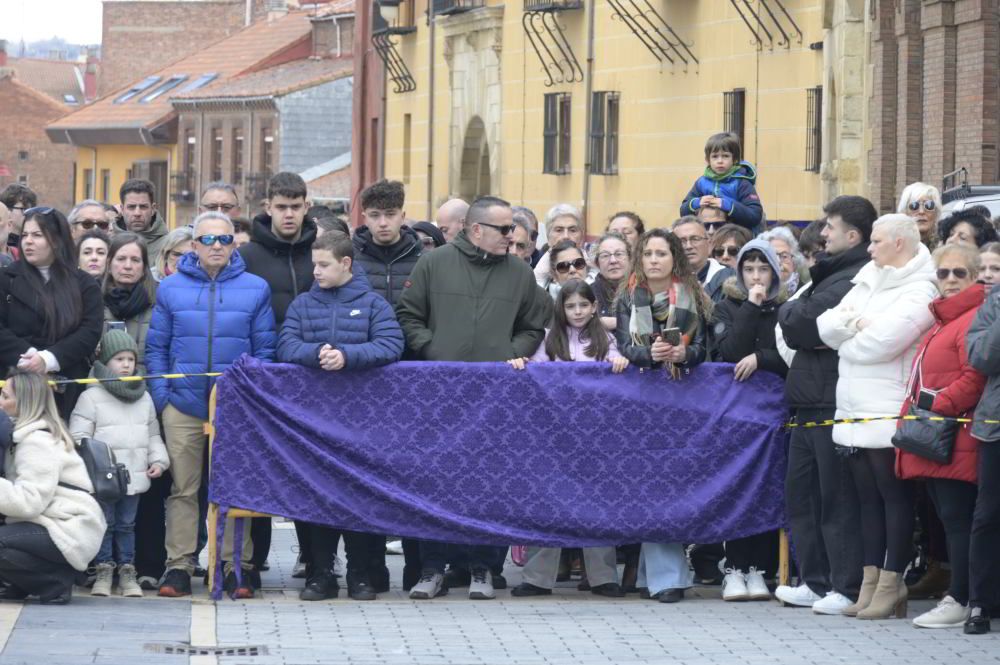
x=340, y=323
x=207, y=314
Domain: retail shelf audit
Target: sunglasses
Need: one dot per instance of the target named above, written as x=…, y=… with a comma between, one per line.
x=959, y=273
x=208, y=240
x=719, y=252
x=915, y=205
x=564, y=266
x=37, y=210
x=88, y=224
x=504, y=230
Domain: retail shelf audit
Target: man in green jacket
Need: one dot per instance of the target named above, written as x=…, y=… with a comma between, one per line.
x=471, y=301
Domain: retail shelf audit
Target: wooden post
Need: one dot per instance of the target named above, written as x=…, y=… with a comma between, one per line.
x=783, y=555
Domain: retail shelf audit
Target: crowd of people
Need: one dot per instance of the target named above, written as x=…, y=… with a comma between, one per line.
x=864, y=316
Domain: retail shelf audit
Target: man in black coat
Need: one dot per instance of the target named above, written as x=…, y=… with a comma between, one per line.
x=821, y=502
x=386, y=248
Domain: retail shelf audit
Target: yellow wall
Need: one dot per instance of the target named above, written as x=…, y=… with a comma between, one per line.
x=666, y=113
x=118, y=159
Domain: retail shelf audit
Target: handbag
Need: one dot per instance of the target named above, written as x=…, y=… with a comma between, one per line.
x=928, y=434
x=109, y=477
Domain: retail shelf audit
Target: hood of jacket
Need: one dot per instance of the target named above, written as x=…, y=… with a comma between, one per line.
x=744, y=171
x=262, y=233
x=764, y=247
x=191, y=266
x=353, y=290
x=157, y=228
x=946, y=310
x=918, y=268
x=475, y=255
x=363, y=242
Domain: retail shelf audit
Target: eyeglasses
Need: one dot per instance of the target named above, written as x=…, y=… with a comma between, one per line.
x=208, y=240
x=564, y=266
x=693, y=240
x=959, y=273
x=784, y=256
x=719, y=252
x=504, y=230
x=617, y=256
x=215, y=207
x=37, y=210
x=915, y=205
x=88, y=224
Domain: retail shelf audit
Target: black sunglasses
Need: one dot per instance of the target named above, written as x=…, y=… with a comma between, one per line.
x=959, y=273
x=719, y=252
x=504, y=230
x=88, y=224
x=564, y=266
x=928, y=205
x=208, y=240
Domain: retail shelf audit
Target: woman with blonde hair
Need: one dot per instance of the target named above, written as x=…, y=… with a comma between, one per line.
x=176, y=244
x=54, y=526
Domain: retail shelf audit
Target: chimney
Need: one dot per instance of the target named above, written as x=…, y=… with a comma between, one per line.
x=276, y=9
x=3, y=52
x=90, y=75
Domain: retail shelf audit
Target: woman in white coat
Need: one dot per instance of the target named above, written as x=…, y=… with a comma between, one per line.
x=875, y=330
x=52, y=529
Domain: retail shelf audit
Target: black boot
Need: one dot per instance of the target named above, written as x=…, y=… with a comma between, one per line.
x=379, y=577
x=320, y=586
x=358, y=585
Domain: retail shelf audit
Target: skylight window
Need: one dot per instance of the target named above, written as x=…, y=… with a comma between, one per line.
x=70, y=99
x=169, y=84
x=199, y=82
x=139, y=87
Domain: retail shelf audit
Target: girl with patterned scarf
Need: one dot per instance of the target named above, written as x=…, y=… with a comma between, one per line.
x=662, y=292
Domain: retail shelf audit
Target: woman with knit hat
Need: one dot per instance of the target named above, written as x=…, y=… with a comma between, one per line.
x=122, y=415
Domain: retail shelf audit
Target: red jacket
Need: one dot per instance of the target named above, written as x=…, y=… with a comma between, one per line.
x=946, y=368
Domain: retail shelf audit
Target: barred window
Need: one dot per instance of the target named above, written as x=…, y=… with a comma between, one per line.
x=814, y=128
x=604, y=133
x=556, y=133
x=734, y=113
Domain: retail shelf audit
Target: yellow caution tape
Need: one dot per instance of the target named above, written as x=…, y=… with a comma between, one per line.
x=92, y=380
x=855, y=421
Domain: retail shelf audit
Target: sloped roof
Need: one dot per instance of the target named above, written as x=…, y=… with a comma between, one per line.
x=55, y=78
x=273, y=81
x=241, y=52
x=54, y=108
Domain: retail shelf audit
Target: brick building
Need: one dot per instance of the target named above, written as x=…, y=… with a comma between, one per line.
x=26, y=154
x=934, y=104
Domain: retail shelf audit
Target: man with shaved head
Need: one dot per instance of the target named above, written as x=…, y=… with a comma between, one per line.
x=450, y=217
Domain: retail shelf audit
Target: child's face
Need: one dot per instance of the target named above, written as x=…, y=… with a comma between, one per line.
x=579, y=311
x=990, y=273
x=122, y=363
x=328, y=271
x=721, y=161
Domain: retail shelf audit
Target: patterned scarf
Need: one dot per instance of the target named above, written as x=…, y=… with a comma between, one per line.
x=675, y=308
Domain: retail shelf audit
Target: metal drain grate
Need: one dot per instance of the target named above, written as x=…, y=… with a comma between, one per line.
x=192, y=650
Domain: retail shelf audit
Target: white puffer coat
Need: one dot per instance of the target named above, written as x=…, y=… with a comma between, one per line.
x=30, y=492
x=130, y=428
x=875, y=362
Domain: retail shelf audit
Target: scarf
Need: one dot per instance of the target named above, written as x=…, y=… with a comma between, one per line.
x=126, y=391
x=605, y=292
x=127, y=303
x=651, y=313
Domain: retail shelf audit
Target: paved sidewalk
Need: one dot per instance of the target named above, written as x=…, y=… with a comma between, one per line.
x=567, y=628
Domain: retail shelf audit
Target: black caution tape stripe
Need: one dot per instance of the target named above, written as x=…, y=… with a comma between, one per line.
x=873, y=419
x=126, y=379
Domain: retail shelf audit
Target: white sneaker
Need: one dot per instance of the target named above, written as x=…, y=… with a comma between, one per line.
x=394, y=547
x=797, y=596
x=431, y=585
x=734, y=586
x=756, y=586
x=949, y=613
x=481, y=585
x=834, y=604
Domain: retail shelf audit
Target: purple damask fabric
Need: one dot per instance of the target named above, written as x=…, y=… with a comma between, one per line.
x=561, y=454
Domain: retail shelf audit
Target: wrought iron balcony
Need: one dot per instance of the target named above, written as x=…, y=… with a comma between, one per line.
x=552, y=5
x=447, y=7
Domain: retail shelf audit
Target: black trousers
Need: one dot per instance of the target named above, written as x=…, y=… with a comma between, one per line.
x=323, y=542
x=435, y=555
x=151, y=528
x=886, y=509
x=260, y=534
x=984, y=548
x=31, y=562
x=303, y=531
x=822, y=508
x=759, y=551
x=955, y=501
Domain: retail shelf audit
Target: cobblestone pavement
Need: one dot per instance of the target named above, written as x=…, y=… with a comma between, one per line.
x=567, y=628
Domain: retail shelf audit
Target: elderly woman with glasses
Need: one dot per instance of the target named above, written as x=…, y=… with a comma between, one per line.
x=612, y=255
x=922, y=202
x=794, y=271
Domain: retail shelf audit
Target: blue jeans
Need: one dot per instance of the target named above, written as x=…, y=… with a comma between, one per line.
x=663, y=566
x=120, y=517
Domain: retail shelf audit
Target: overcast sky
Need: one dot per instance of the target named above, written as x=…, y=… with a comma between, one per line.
x=76, y=21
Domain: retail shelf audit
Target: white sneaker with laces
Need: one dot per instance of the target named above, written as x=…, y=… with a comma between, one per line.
x=797, y=596
x=394, y=547
x=481, y=585
x=431, y=585
x=833, y=604
x=949, y=613
x=756, y=586
x=734, y=586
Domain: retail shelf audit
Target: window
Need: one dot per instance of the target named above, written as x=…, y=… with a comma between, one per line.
x=407, y=132
x=88, y=183
x=734, y=113
x=23, y=179
x=141, y=86
x=556, y=133
x=70, y=99
x=604, y=133
x=22, y=155
x=190, y=145
x=215, y=168
x=266, y=149
x=814, y=128
x=105, y=184
x=237, y=148
x=199, y=82
x=169, y=84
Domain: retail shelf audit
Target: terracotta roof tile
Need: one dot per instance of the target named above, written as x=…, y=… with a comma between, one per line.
x=274, y=81
x=55, y=78
x=236, y=54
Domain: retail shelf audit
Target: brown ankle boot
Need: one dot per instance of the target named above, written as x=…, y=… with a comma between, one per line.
x=934, y=583
x=868, y=585
x=890, y=598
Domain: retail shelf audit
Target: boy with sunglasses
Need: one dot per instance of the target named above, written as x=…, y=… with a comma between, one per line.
x=208, y=313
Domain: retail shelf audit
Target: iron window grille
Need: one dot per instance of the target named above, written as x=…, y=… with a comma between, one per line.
x=814, y=128
x=734, y=113
x=604, y=113
x=557, y=133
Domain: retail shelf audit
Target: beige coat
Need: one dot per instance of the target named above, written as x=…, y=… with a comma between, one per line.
x=30, y=492
x=130, y=428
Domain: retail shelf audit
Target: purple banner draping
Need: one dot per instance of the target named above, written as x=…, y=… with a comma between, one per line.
x=562, y=454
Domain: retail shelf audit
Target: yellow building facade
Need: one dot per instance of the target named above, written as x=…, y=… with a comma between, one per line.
x=101, y=170
x=493, y=84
